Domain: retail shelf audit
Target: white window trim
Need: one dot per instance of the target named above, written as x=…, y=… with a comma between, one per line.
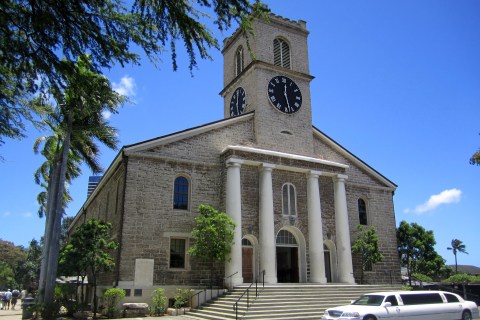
x=187, y=257
x=295, y=212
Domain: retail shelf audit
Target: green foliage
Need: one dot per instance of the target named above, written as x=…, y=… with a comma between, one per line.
x=416, y=250
x=50, y=310
x=407, y=288
x=457, y=246
x=366, y=246
x=30, y=269
x=475, y=159
x=112, y=298
x=77, y=125
x=36, y=35
x=421, y=278
x=7, y=279
x=213, y=235
x=11, y=254
x=461, y=278
x=19, y=267
x=182, y=297
x=65, y=295
x=159, y=302
x=89, y=251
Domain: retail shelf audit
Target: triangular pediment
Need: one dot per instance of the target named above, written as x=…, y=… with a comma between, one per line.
x=151, y=144
x=333, y=151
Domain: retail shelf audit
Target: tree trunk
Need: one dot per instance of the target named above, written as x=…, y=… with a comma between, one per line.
x=56, y=211
x=456, y=265
x=49, y=216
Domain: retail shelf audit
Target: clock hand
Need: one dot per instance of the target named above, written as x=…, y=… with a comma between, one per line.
x=238, y=112
x=286, y=98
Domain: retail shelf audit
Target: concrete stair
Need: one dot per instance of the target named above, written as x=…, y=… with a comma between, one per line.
x=284, y=301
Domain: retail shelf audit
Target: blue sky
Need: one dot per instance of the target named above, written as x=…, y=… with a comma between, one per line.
x=397, y=83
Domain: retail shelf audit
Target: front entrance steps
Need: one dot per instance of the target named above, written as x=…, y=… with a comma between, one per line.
x=285, y=301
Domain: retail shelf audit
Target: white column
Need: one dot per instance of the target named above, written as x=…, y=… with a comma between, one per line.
x=234, y=210
x=344, y=251
x=315, y=232
x=267, y=229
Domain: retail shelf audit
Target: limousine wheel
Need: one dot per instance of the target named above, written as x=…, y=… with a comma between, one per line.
x=369, y=317
x=466, y=315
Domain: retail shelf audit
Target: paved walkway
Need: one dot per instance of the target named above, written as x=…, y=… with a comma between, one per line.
x=11, y=314
x=17, y=315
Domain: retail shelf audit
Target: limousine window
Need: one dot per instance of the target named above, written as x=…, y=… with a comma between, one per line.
x=451, y=297
x=369, y=300
x=392, y=300
x=421, y=298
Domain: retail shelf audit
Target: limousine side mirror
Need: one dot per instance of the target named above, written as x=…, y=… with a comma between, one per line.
x=387, y=304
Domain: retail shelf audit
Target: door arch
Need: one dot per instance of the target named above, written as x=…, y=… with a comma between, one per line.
x=329, y=246
x=290, y=255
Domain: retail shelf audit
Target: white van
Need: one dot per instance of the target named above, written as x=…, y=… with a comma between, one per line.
x=411, y=305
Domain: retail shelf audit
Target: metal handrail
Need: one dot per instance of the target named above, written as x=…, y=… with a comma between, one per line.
x=220, y=291
x=247, y=291
x=229, y=277
x=198, y=297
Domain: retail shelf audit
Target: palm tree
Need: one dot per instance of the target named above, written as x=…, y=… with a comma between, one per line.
x=42, y=174
x=457, y=246
x=77, y=125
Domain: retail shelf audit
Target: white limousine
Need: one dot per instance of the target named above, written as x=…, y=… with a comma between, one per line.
x=406, y=305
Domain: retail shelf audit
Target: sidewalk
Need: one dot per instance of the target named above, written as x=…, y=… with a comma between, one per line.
x=17, y=315
x=11, y=314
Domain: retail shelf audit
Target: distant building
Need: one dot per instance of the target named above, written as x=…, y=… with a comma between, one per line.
x=296, y=195
x=92, y=184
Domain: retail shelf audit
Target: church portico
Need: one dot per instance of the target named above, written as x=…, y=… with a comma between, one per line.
x=271, y=218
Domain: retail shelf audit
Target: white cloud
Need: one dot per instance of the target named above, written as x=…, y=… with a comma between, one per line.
x=126, y=87
x=106, y=114
x=7, y=214
x=28, y=214
x=444, y=197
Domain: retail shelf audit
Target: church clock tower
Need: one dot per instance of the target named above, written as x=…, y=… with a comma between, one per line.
x=273, y=81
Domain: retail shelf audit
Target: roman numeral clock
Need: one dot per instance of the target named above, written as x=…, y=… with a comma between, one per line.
x=284, y=94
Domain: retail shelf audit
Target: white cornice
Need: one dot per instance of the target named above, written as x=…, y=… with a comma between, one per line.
x=286, y=155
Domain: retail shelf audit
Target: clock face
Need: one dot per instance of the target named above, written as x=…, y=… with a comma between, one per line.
x=284, y=94
x=237, y=102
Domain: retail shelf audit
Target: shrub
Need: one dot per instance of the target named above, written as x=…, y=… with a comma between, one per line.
x=65, y=295
x=112, y=298
x=461, y=278
x=181, y=298
x=159, y=301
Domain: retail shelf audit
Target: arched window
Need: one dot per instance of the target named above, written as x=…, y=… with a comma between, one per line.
x=289, y=200
x=246, y=242
x=281, y=53
x=180, y=193
x=239, y=61
x=285, y=237
x=362, y=211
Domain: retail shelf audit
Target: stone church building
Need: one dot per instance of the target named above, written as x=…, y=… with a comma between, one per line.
x=296, y=195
